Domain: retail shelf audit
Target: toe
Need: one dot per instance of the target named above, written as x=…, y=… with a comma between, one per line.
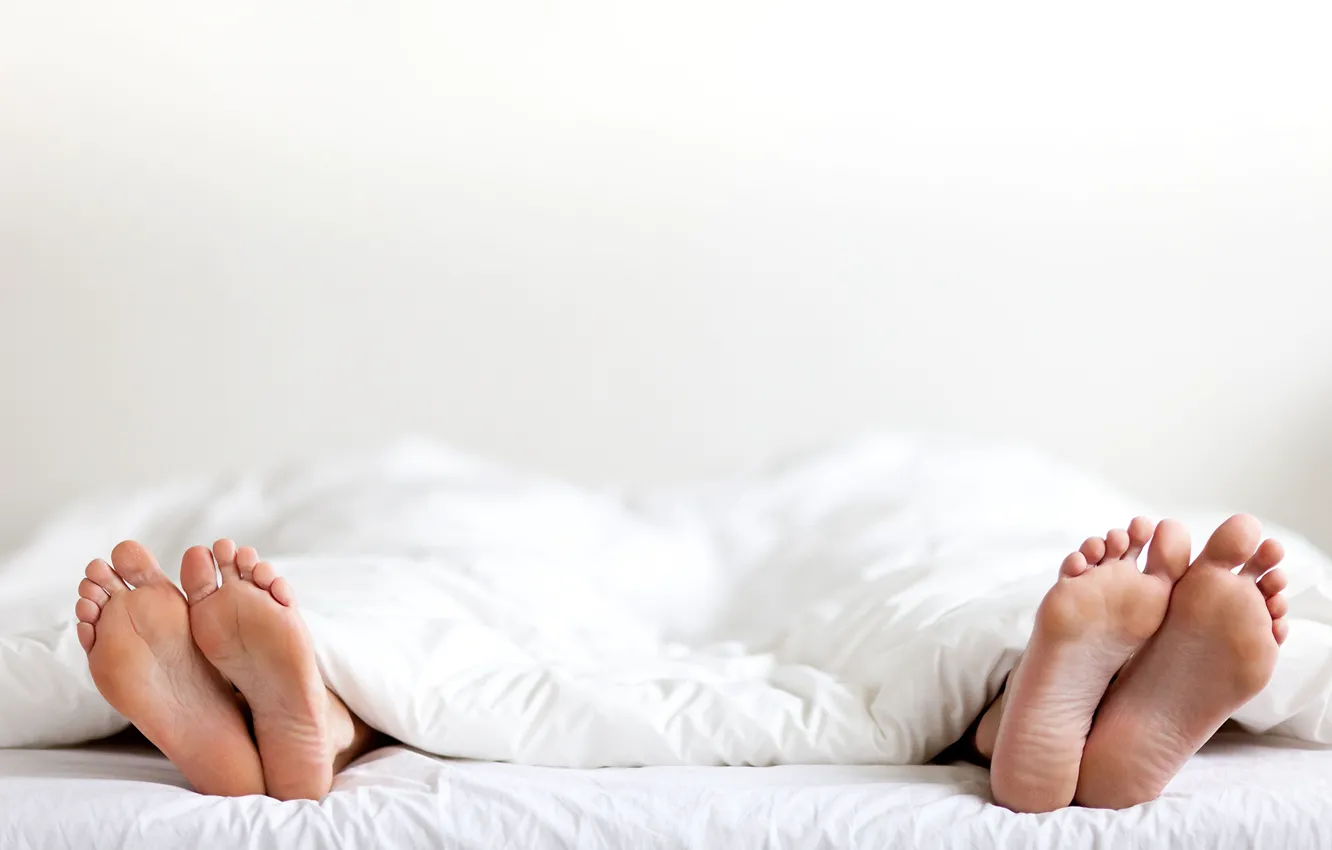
x=1233, y=542
x=198, y=577
x=136, y=565
x=1093, y=549
x=1269, y=554
x=1168, y=557
x=263, y=574
x=93, y=592
x=87, y=636
x=1273, y=583
x=246, y=558
x=281, y=590
x=100, y=573
x=87, y=611
x=1280, y=630
x=1278, y=607
x=1116, y=544
x=1074, y=565
x=1139, y=532
x=225, y=552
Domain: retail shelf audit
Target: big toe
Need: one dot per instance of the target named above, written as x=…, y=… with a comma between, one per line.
x=198, y=576
x=136, y=564
x=1233, y=543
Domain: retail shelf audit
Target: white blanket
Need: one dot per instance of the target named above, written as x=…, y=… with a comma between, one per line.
x=855, y=606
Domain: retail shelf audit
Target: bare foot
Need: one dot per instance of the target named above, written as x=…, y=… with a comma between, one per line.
x=1099, y=612
x=146, y=665
x=249, y=628
x=1216, y=650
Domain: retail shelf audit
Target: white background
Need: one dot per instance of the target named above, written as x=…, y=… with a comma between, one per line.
x=643, y=242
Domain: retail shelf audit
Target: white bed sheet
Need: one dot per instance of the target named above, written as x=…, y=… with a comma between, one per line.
x=1238, y=792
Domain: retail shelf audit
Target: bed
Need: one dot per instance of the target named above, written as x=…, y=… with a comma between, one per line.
x=1240, y=791
x=585, y=662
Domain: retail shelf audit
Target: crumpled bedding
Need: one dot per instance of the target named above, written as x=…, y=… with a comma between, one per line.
x=857, y=605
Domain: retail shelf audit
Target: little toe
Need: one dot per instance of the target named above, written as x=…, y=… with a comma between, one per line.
x=136, y=565
x=198, y=576
x=246, y=558
x=1168, y=555
x=225, y=552
x=1278, y=607
x=1139, y=532
x=1116, y=544
x=1093, y=549
x=263, y=575
x=1269, y=554
x=1280, y=630
x=1233, y=542
x=100, y=573
x=1273, y=583
x=87, y=611
x=281, y=590
x=1074, y=565
x=87, y=636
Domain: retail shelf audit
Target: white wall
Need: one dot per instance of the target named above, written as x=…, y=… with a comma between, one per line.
x=646, y=243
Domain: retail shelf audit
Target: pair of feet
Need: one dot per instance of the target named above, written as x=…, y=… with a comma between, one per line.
x=1128, y=673
x=172, y=664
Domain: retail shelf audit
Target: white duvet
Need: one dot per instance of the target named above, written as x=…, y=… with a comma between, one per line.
x=856, y=606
